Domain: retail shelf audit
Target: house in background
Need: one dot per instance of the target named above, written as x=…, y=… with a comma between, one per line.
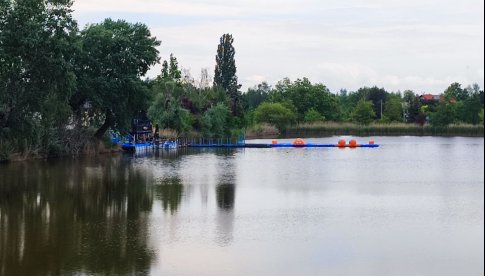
x=429, y=98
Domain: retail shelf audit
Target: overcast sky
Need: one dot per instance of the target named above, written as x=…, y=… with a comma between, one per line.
x=422, y=45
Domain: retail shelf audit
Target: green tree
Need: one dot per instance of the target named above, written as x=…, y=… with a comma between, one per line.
x=304, y=96
x=215, y=121
x=364, y=113
x=170, y=71
x=169, y=114
x=225, y=71
x=412, y=106
x=346, y=102
x=444, y=115
x=393, y=108
x=37, y=46
x=468, y=110
x=165, y=74
x=455, y=92
x=312, y=116
x=256, y=95
x=115, y=54
x=276, y=114
x=378, y=96
x=174, y=71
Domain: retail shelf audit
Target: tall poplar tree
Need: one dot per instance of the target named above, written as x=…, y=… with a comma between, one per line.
x=174, y=71
x=225, y=71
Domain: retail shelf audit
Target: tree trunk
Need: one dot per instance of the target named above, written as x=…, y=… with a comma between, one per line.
x=107, y=123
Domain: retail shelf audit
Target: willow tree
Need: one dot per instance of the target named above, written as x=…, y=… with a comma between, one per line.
x=37, y=45
x=115, y=55
x=225, y=71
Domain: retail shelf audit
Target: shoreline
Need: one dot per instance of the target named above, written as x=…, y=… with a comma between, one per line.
x=310, y=134
x=346, y=129
x=306, y=132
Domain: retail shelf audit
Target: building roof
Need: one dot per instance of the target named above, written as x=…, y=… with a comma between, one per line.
x=430, y=98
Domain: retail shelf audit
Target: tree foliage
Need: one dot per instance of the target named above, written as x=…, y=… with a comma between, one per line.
x=215, y=122
x=378, y=96
x=276, y=114
x=411, y=106
x=256, y=95
x=115, y=54
x=312, y=116
x=454, y=92
x=364, y=113
x=37, y=46
x=393, y=110
x=225, y=71
x=444, y=115
x=305, y=96
x=468, y=110
x=169, y=114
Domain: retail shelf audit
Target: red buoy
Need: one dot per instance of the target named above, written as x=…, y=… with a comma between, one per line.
x=341, y=143
x=353, y=143
x=298, y=142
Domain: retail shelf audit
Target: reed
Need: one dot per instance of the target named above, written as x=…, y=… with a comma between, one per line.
x=380, y=129
x=262, y=131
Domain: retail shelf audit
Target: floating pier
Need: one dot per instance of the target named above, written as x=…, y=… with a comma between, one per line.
x=297, y=143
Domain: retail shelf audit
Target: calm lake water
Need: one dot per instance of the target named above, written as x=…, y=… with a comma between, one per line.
x=414, y=206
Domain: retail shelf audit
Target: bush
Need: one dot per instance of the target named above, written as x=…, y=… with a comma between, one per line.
x=215, y=121
x=275, y=114
x=312, y=116
x=444, y=115
x=364, y=113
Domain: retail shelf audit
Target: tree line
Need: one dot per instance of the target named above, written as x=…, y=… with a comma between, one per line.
x=63, y=87
x=60, y=85
x=300, y=101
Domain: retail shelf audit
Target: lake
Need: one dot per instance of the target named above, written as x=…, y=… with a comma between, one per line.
x=413, y=206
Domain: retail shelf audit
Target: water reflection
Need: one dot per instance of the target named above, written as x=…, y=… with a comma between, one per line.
x=57, y=217
x=225, y=194
x=169, y=190
x=225, y=198
x=200, y=212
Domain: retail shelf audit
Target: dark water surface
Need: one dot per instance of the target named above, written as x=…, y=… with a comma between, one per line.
x=414, y=206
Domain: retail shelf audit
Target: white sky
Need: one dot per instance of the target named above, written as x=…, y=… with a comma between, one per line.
x=422, y=45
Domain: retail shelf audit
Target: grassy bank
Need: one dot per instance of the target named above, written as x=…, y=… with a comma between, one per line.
x=393, y=129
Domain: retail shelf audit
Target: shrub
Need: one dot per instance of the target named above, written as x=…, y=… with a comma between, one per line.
x=275, y=114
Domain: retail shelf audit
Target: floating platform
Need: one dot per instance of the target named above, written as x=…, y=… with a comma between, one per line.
x=283, y=145
x=297, y=143
x=143, y=147
x=289, y=145
x=229, y=145
x=137, y=147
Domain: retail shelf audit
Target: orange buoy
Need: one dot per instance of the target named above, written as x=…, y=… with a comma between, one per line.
x=298, y=142
x=353, y=143
x=274, y=142
x=341, y=143
x=371, y=142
